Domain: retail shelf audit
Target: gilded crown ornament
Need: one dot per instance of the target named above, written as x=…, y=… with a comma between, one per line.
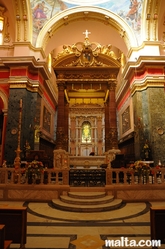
x=87, y=53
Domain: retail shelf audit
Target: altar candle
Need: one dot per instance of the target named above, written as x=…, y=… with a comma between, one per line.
x=20, y=103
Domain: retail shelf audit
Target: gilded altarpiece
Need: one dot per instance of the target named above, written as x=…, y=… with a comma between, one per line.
x=86, y=130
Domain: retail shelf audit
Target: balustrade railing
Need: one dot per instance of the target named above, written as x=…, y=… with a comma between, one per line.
x=49, y=176
x=120, y=176
x=127, y=176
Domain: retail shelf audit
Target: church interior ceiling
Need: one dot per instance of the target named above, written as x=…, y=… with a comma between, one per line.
x=130, y=11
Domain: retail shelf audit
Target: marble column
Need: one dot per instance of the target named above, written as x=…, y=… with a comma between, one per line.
x=107, y=145
x=72, y=135
x=3, y=135
x=66, y=125
x=60, y=133
x=99, y=136
x=113, y=139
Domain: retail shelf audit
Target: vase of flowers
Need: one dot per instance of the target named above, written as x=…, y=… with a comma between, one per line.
x=140, y=169
x=34, y=170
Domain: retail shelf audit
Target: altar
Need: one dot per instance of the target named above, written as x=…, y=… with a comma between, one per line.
x=87, y=161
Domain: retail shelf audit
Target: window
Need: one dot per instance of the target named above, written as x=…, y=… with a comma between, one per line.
x=86, y=132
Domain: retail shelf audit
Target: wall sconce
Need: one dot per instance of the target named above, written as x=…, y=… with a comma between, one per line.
x=148, y=16
x=155, y=16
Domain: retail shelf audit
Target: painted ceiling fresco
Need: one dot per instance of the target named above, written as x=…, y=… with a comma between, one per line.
x=129, y=10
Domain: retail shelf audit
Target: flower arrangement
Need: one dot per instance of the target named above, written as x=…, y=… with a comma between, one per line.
x=141, y=168
x=34, y=169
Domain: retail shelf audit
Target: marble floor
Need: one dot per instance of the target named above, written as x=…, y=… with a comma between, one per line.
x=48, y=227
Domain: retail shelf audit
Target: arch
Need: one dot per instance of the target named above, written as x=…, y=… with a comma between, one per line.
x=124, y=35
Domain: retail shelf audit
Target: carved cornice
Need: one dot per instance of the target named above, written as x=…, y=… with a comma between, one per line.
x=23, y=82
x=147, y=83
x=137, y=74
x=91, y=109
x=29, y=61
x=85, y=76
x=142, y=62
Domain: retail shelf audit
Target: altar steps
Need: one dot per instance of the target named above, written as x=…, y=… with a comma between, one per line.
x=86, y=202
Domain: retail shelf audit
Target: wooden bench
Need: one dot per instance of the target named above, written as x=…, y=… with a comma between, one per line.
x=15, y=221
x=157, y=223
x=4, y=244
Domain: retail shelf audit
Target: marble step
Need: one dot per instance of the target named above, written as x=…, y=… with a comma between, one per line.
x=88, y=201
x=57, y=203
x=86, y=195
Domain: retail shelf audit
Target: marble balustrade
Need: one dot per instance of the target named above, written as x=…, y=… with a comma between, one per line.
x=120, y=176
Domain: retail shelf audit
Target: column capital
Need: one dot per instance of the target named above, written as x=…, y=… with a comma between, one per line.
x=112, y=85
x=61, y=85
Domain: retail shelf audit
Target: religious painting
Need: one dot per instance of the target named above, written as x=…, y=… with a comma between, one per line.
x=46, y=119
x=126, y=124
x=86, y=132
x=42, y=11
x=129, y=10
x=87, y=57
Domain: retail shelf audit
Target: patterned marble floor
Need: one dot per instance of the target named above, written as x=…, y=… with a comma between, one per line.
x=48, y=227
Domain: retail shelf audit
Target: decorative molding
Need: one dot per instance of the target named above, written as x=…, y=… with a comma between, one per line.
x=148, y=20
x=18, y=19
x=25, y=19
x=91, y=13
x=146, y=83
x=87, y=54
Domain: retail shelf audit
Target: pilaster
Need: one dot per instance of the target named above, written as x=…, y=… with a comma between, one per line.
x=60, y=136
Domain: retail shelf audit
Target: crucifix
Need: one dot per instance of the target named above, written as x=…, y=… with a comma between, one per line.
x=86, y=33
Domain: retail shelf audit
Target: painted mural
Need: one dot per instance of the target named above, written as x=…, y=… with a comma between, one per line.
x=129, y=10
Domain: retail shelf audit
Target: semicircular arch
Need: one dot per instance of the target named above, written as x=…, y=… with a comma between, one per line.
x=114, y=28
